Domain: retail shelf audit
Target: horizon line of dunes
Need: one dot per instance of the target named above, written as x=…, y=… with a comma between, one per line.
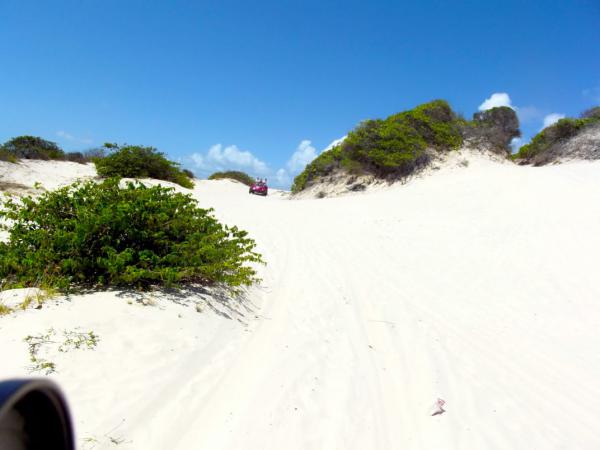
x=390, y=148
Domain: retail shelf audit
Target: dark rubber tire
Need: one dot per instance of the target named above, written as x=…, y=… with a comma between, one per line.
x=42, y=408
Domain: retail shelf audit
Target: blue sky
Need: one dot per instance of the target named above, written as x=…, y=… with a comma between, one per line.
x=265, y=86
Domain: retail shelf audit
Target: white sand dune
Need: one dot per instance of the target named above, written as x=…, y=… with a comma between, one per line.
x=50, y=174
x=478, y=285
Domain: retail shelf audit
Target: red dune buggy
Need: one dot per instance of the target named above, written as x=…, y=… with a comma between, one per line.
x=259, y=188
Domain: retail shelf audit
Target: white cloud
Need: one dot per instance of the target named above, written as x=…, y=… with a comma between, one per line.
x=496, y=99
x=527, y=114
x=227, y=158
x=283, y=178
x=219, y=158
x=516, y=143
x=69, y=137
x=551, y=119
x=303, y=155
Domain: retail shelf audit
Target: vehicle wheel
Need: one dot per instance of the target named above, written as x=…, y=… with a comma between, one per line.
x=34, y=415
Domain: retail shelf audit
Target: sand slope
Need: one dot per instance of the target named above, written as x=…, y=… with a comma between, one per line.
x=50, y=174
x=477, y=284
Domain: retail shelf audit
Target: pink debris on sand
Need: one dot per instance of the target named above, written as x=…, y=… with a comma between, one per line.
x=439, y=407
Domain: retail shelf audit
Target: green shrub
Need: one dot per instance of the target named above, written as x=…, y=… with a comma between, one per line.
x=32, y=147
x=391, y=147
x=133, y=161
x=560, y=131
x=91, y=234
x=233, y=175
x=188, y=173
x=5, y=155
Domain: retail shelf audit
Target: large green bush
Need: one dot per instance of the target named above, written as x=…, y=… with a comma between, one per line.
x=134, y=161
x=105, y=234
x=233, y=175
x=33, y=147
x=391, y=147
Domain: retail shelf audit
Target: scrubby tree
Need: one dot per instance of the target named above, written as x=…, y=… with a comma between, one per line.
x=92, y=154
x=134, y=161
x=33, y=147
x=233, y=175
x=496, y=126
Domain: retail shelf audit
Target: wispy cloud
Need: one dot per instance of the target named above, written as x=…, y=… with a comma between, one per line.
x=303, y=155
x=231, y=157
x=495, y=100
x=552, y=119
x=219, y=158
x=69, y=137
x=283, y=178
x=516, y=143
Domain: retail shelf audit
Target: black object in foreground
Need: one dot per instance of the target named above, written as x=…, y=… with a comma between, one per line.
x=34, y=416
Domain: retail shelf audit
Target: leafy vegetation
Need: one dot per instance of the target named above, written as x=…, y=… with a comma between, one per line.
x=554, y=134
x=391, y=147
x=104, y=234
x=5, y=155
x=134, y=161
x=233, y=175
x=32, y=147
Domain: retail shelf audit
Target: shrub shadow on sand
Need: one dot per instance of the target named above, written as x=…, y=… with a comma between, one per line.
x=219, y=300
